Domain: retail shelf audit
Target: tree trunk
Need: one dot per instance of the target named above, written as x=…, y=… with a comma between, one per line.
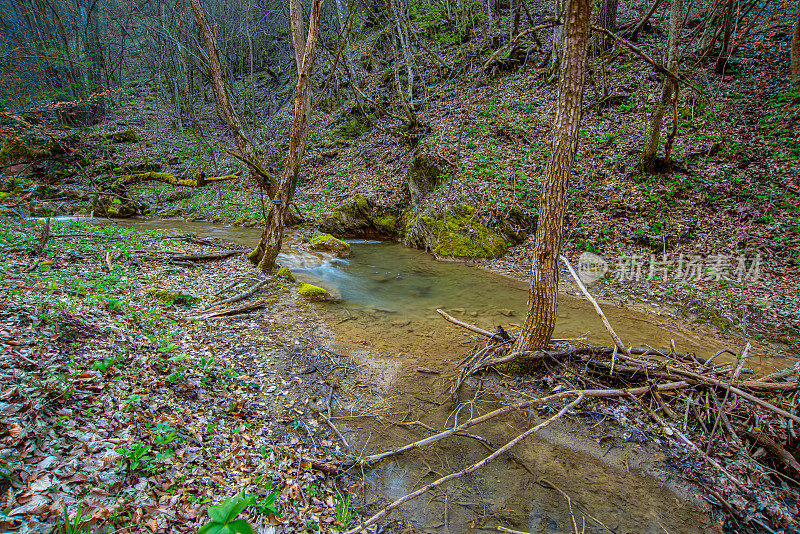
x=539, y=323
x=796, y=54
x=272, y=237
x=558, y=40
x=722, y=60
x=607, y=18
x=244, y=145
x=667, y=89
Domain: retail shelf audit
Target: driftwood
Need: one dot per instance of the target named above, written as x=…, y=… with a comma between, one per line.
x=375, y=458
x=474, y=467
x=236, y=298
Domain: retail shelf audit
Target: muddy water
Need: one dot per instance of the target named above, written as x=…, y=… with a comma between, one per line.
x=386, y=320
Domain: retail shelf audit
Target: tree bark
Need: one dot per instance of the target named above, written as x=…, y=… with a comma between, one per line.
x=558, y=40
x=796, y=54
x=538, y=328
x=244, y=144
x=668, y=88
x=727, y=23
x=272, y=237
x=607, y=18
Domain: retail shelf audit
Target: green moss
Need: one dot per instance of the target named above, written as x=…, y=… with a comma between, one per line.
x=127, y=136
x=16, y=149
x=172, y=298
x=312, y=292
x=328, y=242
x=5, y=196
x=386, y=223
x=254, y=257
x=458, y=234
x=286, y=274
x=352, y=128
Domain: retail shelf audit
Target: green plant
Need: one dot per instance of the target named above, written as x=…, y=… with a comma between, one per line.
x=77, y=525
x=269, y=504
x=107, y=363
x=343, y=512
x=137, y=458
x=223, y=517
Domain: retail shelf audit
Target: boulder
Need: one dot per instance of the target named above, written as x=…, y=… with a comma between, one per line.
x=328, y=243
x=359, y=217
x=455, y=232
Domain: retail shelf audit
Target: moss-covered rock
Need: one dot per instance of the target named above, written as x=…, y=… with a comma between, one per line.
x=359, y=217
x=16, y=150
x=424, y=175
x=286, y=274
x=328, y=243
x=172, y=299
x=312, y=292
x=455, y=233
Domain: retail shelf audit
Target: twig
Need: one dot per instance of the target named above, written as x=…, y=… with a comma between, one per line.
x=375, y=518
x=234, y=311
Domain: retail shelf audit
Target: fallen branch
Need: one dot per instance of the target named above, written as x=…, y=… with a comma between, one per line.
x=235, y=311
x=369, y=460
x=199, y=181
x=614, y=336
x=462, y=324
x=517, y=40
x=474, y=467
x=236, y=298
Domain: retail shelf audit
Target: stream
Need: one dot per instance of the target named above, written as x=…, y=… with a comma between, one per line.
x=385, y=319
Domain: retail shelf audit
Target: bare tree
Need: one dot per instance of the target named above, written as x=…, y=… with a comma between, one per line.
x=272, y=237
x=669, y=89
x=245, y=146
x=796, y=53
x=727, y=27
x=607, y=18
x=538, y=328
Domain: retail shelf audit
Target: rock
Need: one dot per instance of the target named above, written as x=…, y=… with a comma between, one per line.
x=455, y=233
x=506, y=312
x=312, y=292
x=286, y=274
x=329, y=243
x=424, y=176
x=359, y=217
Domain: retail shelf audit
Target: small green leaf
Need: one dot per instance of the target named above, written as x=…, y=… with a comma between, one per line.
x=237, y=504
x=217, y=513
x=241, y=526
x=210, y=528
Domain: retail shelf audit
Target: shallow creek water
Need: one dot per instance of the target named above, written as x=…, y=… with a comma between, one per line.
x=386, y=320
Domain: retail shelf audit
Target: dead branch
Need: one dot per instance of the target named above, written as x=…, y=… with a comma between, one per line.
x=369, y=460
x=617, y=341
x=236, y=298
x=235, y=311
x=199, y=181
x=517, y=40
x=474, y=467
x=775, y=448
x=462, y=324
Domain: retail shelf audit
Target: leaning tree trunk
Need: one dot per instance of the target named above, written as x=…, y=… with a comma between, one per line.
x=796, y=54
x=272, y=237
x=539, y=323
x=668, y=89
x=245, y=146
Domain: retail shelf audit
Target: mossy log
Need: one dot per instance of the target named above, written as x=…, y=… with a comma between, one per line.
x=199, y=181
